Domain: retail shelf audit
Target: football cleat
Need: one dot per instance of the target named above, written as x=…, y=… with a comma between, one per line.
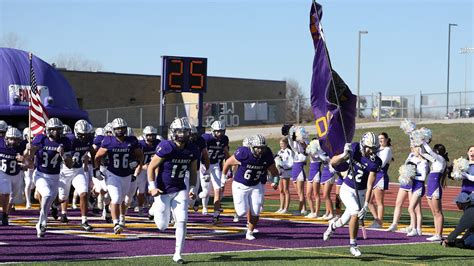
x=216, y=220
x=327, y=234
x=86, y=226
x=355, y=250
x=40, y=230
x=236, y=218
x=118, y=229
x=64, y=219
x=249, y=236
x=177, y=259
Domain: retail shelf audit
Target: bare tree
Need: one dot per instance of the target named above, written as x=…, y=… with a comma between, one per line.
x=12, y=40
x=297, y=103
x=77, y=62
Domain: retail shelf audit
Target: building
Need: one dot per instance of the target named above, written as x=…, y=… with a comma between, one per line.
x=136, y=98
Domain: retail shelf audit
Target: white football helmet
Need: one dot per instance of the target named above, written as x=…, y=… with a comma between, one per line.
x=258, y=145
x=369, y=140
x=246, y=142
x=99, y=132
x=26, y=133
x=13, y=136
x=3, y=126
x=66, y=129
x=180, y=130
x=217, y=126
x=150, y=130
x=108, y=128
x=82, y=127
x=119, y=127
x=54, y=128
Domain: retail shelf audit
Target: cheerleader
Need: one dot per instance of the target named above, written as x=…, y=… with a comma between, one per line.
x=313, y=186
x=381, y=181
x=298, y=140
x=284, y=162
x=468, y=178
x=417, y=192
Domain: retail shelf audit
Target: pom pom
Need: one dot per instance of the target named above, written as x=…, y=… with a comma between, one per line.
x=406, y=174
x=301, y=134
x=427, y=134
x=278, y=162
x=407, y=126
x=460, y=165
x=417, y=138
x=313, y=148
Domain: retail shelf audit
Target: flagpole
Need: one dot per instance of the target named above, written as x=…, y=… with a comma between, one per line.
x=361, y=221
x=30, y=57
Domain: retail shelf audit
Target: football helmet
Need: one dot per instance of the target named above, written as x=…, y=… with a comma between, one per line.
x=3, y=126
x=82, y=128
x=108, y=129
x=13, y=136
x=99, y=132
x=180, y=130
x=369, y=140
x=218, y=127
x=66, y=129
x=258, y=145
x=54, y=128
x=26, y=133
x=119, y=127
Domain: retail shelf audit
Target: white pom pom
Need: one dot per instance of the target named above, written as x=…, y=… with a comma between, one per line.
x=406, y=174
x=460, y=165
x=301, y=134
x=278, y=162
x=407, y=126
x=427, y=134
x=456, y=175
x=417, y=138
x=313, y=148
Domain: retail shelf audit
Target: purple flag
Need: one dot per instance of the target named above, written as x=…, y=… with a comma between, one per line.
x=327, y=89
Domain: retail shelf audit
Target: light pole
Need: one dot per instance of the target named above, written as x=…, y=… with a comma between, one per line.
x=358, y=73
x=449, y=49
x=465, y=51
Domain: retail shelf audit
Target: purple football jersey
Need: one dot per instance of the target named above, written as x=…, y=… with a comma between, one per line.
x=8, y=163
x=201, y=145
x=177, y=162
x=361, y=167
x=47, y=159
x=215, y=147
x=120, y=154
x=148, y=150
x=252, y=170
x=78, y=149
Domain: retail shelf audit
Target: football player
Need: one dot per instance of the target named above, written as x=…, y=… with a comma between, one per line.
x=49, y=151
x=363, y=167
x=124, y=156
x=174, y=159
x=218, y=148
x=254, y=163
x=81, y=144
x=28, y=171
x=10, y=176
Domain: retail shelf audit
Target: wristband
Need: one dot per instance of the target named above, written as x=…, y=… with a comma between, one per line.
x=151, y=185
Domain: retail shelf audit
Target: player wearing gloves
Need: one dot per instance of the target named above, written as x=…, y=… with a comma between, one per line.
x=363, y=167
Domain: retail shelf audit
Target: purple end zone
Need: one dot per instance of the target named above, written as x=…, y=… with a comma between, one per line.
x=20, y=244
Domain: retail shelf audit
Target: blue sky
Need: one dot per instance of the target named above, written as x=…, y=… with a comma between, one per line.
x=404, y=52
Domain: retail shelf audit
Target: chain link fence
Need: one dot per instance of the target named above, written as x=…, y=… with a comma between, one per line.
x=375, y=107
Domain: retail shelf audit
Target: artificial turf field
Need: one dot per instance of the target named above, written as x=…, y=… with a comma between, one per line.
x=283, y=239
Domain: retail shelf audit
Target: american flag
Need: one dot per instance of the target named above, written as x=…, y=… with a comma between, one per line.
x=38, y=114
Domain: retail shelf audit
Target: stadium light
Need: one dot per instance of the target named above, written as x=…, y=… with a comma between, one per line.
x=358, y=73
x=447, y=85
x=466, y=51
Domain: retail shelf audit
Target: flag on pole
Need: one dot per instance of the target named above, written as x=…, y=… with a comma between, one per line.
x=335, y=124
x=38, y=114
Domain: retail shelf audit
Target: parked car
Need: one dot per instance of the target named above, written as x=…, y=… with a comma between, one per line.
x=463, y=112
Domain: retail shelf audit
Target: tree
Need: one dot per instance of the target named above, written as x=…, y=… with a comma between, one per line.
x=297, y=103
x=76, y=62
x=12, y=40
